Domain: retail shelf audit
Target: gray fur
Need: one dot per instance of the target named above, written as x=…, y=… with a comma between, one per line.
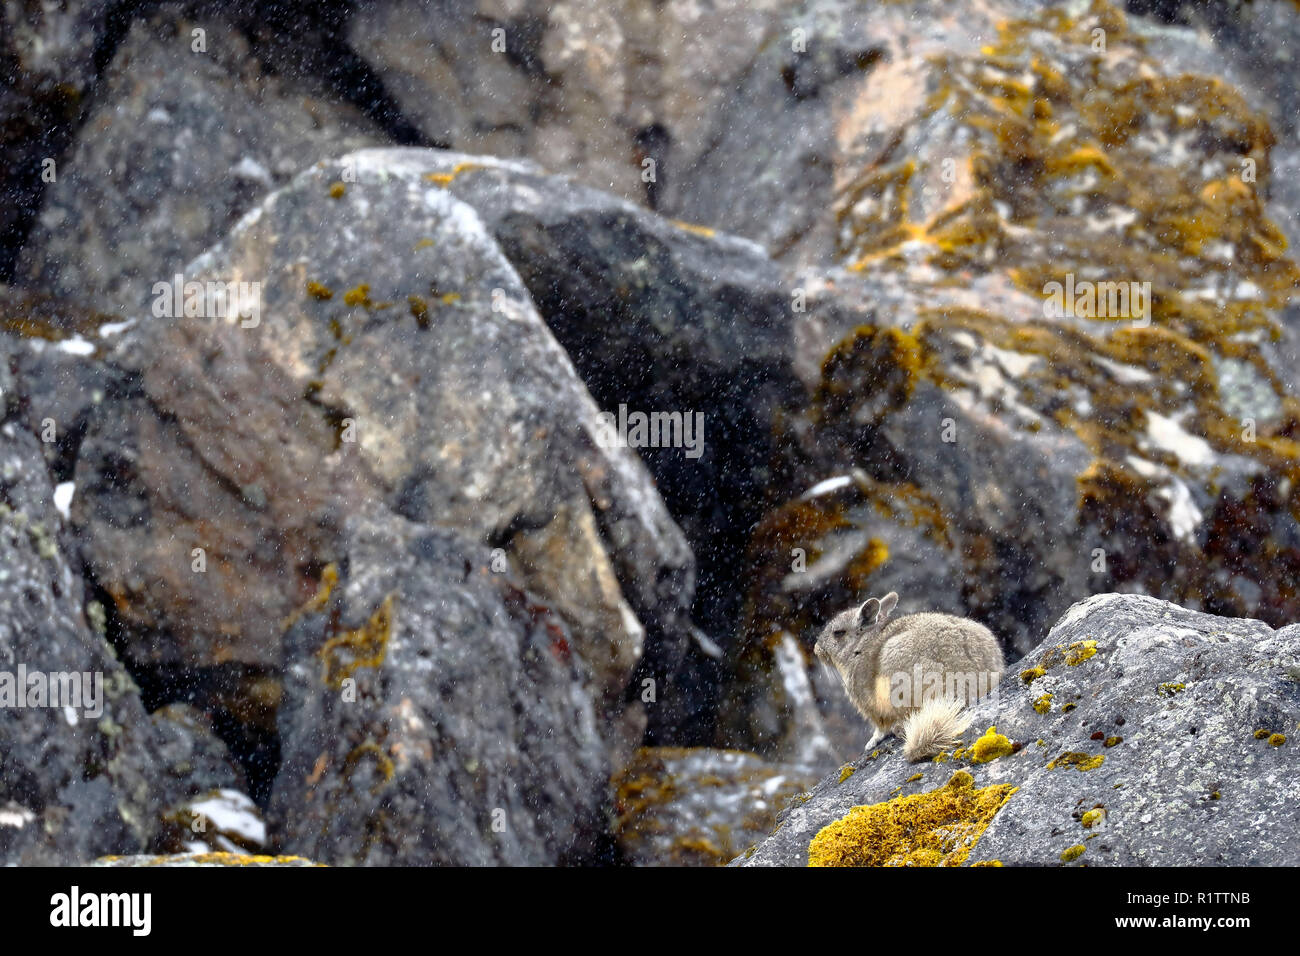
x=958, y=659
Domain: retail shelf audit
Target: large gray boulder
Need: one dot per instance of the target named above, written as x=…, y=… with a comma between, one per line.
x=434, y=713
x=1138, y=733
x=392, y=308
x=658, y=316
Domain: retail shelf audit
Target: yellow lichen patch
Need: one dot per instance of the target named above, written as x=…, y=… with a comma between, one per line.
x=654, y=815
x=884, y=194
x=865, y=563
x=1080, y=651
x=1277, y=740
x=358, y=296
x=381, y=760
x=1262, y=734
x=216, y=859
x=36, y=315
x=329, y=577
x=990, y=746
x=871, y=372
x=1072, y=853
x=364, y=647
x=337, y=189
x=1078, y=160
x=936, y=828
x=1113, y=741
x=1092, y=817
x=704, y=231
x=316, y=290
x=1043, y=704
x=1170, y=689
x=445, y=179
x=1031, y=674
x=914, y=777
x=1079, y=761
x=419, y=310
x=846, y=771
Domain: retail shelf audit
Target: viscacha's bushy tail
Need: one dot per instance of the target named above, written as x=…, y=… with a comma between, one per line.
x=937, y=726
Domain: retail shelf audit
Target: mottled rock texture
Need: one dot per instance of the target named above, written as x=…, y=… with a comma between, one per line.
x=1147, y=734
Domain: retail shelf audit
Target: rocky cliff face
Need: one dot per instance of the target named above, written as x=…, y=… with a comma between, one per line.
x=318, y=314
x=1137, y=733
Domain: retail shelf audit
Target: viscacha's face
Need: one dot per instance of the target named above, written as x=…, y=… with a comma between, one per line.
x=834, y=636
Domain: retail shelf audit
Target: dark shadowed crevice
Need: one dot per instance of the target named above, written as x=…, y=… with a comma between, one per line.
x=45, y=127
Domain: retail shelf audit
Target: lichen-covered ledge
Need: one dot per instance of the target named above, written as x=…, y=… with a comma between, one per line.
x=1138, y=733
x=204, y=859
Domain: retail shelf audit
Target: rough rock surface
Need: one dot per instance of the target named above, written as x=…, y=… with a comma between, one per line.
x=287, y=429
x=450, y=391
x=1256, y=43
x=1032, y=456
x=203, y=859
x=564, y=82
x=55, y=347
x=1146, y=734
x=204, y=512
x=434, y=713
x=658, y=316
x=887, y=405
x=179, y=143
x=73, y=783
x=679, y=806
x=47, y=54
x=189, y=750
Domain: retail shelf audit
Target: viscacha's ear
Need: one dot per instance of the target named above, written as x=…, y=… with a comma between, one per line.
x=867, y=613
x=887, y=605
